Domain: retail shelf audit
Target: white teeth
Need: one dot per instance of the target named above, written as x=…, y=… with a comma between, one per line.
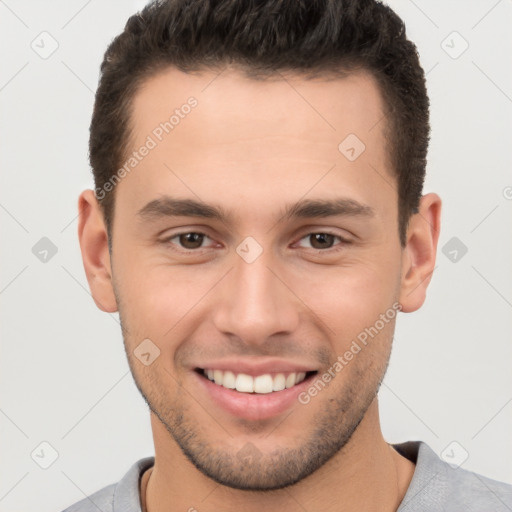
x=290, y=380
x=217, y=377
x=229, y=380
x=261, y=384
x=244, y=383
x=279, y=382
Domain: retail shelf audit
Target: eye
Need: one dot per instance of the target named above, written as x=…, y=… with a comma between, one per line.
x=189, y=240
x=323, y=241
x=192, y=240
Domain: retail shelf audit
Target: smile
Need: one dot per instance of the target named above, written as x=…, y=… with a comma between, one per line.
x=259, y=384
x=253, y=389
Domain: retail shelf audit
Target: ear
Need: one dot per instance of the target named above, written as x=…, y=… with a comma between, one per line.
x=419, y=254
x=93, y=238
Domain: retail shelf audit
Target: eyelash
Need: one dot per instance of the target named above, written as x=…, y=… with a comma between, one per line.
x=344, y=242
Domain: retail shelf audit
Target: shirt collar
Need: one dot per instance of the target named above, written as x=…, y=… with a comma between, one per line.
x=428, y=472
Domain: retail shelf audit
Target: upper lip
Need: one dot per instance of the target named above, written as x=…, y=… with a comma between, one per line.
x=257, y=366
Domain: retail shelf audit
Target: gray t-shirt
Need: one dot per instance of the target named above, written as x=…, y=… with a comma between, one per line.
x=435, y=486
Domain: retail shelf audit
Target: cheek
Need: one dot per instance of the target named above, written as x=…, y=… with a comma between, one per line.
x=350, y=298
x=162, y=302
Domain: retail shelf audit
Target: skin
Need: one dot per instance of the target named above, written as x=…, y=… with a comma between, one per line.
x=253, y=147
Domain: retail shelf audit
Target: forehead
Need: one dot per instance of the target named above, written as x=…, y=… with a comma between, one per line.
x=327, y=108
x=287, y=131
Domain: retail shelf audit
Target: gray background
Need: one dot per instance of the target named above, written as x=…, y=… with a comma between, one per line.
x=63, y=372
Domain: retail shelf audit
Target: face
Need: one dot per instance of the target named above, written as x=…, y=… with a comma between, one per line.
x=248, y=246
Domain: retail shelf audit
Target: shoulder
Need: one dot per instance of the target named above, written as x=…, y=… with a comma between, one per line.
x=437, y=485
x=123, y=496
x=475, y=492
x=101, y=500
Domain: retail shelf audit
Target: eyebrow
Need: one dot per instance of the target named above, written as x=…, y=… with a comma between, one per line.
x=168, y=206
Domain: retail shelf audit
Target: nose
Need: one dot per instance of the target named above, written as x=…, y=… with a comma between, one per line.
x=255, y=302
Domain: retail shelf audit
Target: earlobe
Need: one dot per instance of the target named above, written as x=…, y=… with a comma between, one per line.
x=419, y=254
x=93, y=239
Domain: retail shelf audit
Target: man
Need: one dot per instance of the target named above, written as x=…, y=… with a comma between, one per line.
x=258, y=222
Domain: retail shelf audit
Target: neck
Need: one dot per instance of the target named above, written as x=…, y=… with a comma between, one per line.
x=367, y=474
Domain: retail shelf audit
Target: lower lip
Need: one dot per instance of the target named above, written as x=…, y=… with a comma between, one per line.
x=253, y=406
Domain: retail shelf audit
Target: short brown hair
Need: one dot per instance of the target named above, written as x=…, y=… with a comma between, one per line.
x=262, y=38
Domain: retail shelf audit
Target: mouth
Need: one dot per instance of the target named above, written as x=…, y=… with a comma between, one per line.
x=262, y=384
x=254, y=397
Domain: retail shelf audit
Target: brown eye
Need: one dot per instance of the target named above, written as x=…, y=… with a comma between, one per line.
x=321, y=240
x=188, y=242
x=191, y=240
